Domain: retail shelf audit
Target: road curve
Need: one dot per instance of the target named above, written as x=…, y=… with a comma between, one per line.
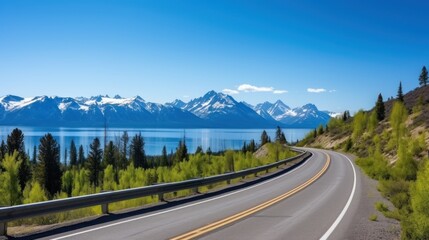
x=321, y=210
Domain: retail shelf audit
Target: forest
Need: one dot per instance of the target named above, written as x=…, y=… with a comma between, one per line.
x=116, y=166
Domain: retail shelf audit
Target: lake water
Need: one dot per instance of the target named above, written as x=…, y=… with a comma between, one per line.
x=155, y=139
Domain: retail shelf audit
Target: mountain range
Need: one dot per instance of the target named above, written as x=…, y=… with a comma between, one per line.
x=213, y=110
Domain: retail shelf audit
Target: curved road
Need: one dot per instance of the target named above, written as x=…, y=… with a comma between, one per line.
x=322, y=210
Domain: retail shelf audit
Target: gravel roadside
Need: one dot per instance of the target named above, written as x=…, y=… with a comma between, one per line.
x=363, y=228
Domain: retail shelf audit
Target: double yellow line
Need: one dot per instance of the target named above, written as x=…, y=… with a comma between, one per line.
x=213, y=226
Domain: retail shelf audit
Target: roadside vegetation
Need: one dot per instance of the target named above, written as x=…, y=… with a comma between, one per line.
x=391, y=142
x=119, y=165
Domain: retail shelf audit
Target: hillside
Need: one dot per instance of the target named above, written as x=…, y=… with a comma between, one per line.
x=392, y=150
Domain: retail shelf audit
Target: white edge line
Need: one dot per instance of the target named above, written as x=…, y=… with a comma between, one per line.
x=182, y=207
x=346, y=207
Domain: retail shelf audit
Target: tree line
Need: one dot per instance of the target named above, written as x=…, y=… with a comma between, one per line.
x=120, y=165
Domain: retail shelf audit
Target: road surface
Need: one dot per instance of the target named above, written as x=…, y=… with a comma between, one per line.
x=316, y=200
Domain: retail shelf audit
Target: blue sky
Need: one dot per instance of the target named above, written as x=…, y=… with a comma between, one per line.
x=344, y=53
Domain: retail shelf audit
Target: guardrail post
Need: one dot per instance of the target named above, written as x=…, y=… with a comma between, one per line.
x=195, y=190
x=161, y=197
x=228, y=181
x=3, y=229
x=105, y=206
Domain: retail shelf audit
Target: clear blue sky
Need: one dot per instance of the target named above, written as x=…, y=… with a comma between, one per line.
x=163, y=50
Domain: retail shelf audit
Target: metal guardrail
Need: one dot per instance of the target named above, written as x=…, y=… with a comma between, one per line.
x=11, y=213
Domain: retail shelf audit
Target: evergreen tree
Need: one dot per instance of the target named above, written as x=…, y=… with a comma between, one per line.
x=138, y=155
x=49, y=172
x=346, y=115
x=3, y=150
x=264, y=138
x=164, y=157
x=182, y=152
x=15, y=142
x=320, y=130
x=379, y=108
x=81, y=156
x=278, y=134
x=209, y=151
x=94, y=162
x=73, y=154
x=109, y=155
x=423, y=79
x=400, y=96
x=65, y=157
x=314, y=133
x=283, y=138
x=34, y=159
x=252, y=146
x=198, y=150
x=123, y=163
x=244, y=148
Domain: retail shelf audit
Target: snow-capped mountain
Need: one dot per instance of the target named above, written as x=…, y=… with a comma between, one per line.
x=213, y=110
x=223, y=110
x=307, y=116
x=93, y=111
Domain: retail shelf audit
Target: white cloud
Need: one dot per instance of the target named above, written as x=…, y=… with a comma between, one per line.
x=251, y=88
x=333, y=90
x=316, y=90
x=279, y=91
x=230, y=91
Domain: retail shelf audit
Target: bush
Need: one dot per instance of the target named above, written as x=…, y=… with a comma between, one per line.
x=373, y=217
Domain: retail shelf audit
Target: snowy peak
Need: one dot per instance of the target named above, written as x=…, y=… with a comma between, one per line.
x=177, y=104
x=210, y=103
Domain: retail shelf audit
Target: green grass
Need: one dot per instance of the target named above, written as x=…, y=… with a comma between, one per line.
x=373, y=217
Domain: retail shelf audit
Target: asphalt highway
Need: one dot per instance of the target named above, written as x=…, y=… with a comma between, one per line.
x=316, y=200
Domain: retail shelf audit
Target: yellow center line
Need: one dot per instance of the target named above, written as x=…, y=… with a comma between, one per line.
x=213, y=226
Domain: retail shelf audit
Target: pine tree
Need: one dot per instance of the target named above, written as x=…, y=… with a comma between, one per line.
x=164, y=157
x=49, y=172
x=81, y=156
x=278, y=134
x=94, y=162
x=209, y=151
x=3, y=150
x=320, y=130
x=379, y=108
x=198, y=150
x=252, y=146
x=138, y=155
x=264, y=138
x=34, y=159
x=400, y=96
x=181, y=152
x=15, y=142
x=423, y=79
x=283, y=138
x=109, y=155
x=73, y=154
x=123, y=163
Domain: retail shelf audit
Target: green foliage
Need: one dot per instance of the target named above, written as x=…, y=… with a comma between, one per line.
x=373, y=217
x=359, y=124
x=418, y=223
x=320, y=130
x=15, y=142
x=381, y=207
x=33, y=192
x=397, y=120
x=10, y=189
x=405, y=168
x=49, y=172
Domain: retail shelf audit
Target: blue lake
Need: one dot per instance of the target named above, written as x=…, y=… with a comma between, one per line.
x=155, y=139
